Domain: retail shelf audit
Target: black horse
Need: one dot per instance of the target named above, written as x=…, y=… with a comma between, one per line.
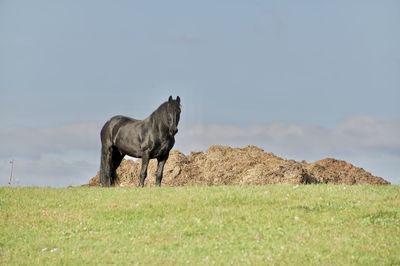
x=150, y=138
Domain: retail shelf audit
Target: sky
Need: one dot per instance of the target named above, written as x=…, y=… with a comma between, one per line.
x=304, y=80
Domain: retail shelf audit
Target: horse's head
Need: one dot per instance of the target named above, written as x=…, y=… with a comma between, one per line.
x=174, y=114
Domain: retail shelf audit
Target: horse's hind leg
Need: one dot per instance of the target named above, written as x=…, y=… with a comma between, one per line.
x=115, y=162
x=106, y=167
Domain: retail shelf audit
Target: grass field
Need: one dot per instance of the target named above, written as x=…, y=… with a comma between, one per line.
x=276, y=224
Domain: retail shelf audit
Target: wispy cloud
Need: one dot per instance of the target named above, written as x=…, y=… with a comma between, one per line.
x=37, y=141
x=55, y=156
x=353, y=134
x=69, y=154
x=365, y=141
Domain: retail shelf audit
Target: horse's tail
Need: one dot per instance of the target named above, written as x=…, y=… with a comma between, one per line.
x=106, y=154
x=111, y=157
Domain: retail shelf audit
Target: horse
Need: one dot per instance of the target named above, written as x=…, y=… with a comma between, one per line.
x=151, y=138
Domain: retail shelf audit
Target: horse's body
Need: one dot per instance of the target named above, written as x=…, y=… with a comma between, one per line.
x=150, y=138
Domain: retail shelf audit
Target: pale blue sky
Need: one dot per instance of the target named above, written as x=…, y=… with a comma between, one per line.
x=302, y=79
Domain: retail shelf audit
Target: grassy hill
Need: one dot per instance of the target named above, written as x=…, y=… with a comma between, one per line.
x=274, y=224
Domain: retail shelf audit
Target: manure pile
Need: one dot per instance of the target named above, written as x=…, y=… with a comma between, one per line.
x=221, y=165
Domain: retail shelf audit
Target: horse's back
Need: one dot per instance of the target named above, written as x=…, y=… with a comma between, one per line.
x=112, y=126
x=120, y=120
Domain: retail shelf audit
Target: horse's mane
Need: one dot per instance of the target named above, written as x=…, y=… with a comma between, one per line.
x=161, y=113
x=158, y=113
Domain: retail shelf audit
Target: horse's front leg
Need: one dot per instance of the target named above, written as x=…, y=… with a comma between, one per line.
x=160, y=170
x=143, y=171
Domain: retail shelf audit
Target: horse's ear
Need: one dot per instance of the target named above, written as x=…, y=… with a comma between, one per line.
x=178, y=99
x=170, y=99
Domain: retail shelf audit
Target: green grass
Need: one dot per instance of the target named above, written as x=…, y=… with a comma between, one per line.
x=264, y=225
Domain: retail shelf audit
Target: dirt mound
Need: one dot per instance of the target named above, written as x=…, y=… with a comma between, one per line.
x=341, y=172
x=221, y=165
